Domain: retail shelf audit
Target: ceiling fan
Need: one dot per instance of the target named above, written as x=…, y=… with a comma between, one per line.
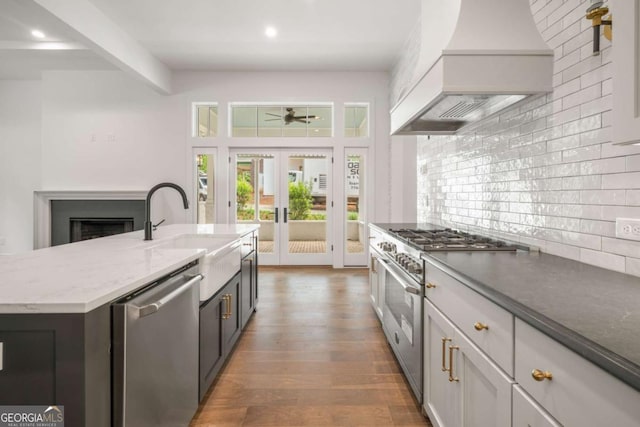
x=291, y=117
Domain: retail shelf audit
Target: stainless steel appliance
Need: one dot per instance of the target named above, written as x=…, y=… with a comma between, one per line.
x=155, y=352
x=398, y=248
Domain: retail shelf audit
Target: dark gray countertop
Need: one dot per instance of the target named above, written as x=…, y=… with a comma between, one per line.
x=591, y=310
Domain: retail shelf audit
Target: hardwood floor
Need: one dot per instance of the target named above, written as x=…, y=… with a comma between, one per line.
x=314, y=354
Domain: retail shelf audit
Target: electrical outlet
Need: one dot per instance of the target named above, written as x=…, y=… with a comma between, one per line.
x=628, y=228
x=111, y=137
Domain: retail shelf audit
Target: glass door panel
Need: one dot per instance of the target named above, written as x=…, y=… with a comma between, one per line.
x=355, y=236
x=307, y=204
x=288, y=194
x=205, y=186
x=255, y=190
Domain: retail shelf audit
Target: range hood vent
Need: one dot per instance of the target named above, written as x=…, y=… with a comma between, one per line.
x=491, y=56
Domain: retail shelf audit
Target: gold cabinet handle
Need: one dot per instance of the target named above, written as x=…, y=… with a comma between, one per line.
x=451, y=377
x=227, y=302
x=480, y=326
x=539, y=375
x=444, y=344
x=430, y=285
x=373, y=264
x=230, y=306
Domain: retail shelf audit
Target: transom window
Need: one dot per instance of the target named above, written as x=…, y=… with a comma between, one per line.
x=356, y=120
x=288, y=120
x=205, y=120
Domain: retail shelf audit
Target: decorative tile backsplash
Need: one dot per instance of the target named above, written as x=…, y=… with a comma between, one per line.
x=544, y=173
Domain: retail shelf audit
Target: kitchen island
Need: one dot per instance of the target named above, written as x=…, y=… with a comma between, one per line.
x=55, y=320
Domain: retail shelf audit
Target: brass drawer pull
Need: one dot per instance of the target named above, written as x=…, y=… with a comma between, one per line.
x=430, y=285
x=227, y=300
x=444, y=344
x=539, y=375
x=480, y=326
x=373, y=264
x=451, y=377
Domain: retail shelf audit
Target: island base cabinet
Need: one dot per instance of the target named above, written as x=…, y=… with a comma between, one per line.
x=573, y=390
x=463, y=387
x=58, y=359
x=219, y=330
x=249, y=273
x=527, y=413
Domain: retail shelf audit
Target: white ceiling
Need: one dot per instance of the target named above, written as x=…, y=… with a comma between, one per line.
x=214, y=34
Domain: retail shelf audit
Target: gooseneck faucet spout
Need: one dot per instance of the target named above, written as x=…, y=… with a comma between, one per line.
x=147, y=222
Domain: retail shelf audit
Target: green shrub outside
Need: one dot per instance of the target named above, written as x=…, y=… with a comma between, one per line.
x=299, y=200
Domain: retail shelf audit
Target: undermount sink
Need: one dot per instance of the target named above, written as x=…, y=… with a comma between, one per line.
x=219, y=265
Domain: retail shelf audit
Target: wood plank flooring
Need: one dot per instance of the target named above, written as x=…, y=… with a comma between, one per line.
x=314, y=354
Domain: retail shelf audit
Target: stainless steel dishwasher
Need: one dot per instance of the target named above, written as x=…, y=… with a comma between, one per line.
x=155, y=352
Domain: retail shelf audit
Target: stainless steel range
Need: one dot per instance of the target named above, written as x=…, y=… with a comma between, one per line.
x=397, y=249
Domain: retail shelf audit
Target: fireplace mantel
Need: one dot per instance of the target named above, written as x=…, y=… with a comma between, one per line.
x=42, y=208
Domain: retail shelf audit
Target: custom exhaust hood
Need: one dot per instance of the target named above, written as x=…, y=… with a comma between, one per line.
x=477, y=57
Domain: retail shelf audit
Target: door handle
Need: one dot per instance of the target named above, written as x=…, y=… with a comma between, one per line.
x=285, y=215
x=452, y=378
x=276, y=216
x=148, y=309
x=444, y=345
x=412, y=290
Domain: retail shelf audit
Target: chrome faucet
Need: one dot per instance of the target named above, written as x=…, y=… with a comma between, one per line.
x=147, y=222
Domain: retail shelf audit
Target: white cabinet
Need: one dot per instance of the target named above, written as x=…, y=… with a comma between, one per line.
x=573, y=390
x=489, y=327
x=626, y=72
x=463, y=387
x=527, y=413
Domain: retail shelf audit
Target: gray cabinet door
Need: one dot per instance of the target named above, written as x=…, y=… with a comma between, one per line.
x=211, y=342
x=232, y=326
x=28, y=368
x=247, y=296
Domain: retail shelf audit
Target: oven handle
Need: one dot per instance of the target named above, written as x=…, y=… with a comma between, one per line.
x=401, y=280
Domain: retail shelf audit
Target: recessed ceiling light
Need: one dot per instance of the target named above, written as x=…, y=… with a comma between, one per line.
x=271, y=32
x=37, y=34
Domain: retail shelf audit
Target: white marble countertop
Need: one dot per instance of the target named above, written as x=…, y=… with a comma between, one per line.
x=78, y=277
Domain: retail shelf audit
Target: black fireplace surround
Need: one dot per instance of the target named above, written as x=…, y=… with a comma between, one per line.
x=75, y=220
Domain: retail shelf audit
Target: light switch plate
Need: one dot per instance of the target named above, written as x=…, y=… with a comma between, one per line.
x=628, y=228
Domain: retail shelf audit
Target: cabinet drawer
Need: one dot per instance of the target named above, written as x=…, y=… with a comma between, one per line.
x=247, y=243
x=467, y=310
x=527, y=413
x=579, y=393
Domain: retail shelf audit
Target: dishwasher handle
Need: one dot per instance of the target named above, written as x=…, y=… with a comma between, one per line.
x=154, y=307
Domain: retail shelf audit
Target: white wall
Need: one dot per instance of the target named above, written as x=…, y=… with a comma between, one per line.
x=545, y=173
x=20, y=162
x=103, y=130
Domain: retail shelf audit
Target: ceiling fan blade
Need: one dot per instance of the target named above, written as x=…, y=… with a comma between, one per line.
x=271, y=120
x=275, y=115
x=306, y=117
x=302, y=121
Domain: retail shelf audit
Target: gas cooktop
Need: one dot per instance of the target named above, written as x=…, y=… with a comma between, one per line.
x=447, y=239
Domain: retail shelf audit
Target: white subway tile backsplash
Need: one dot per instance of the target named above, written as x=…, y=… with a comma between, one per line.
x=583, y=96
x=633, y=266
x=590, y=152
x=603, y=197
x=546, y=171
x=603, y=259
x=621, y=180
x=633, y=197
x=566, y=251
x=633, y=163
x=621, y=247
x=603, y=166
x=600, y=228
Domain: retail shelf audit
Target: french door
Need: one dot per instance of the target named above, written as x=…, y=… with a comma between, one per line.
x=287, y=192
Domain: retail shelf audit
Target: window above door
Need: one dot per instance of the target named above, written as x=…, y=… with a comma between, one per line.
x=281, y=120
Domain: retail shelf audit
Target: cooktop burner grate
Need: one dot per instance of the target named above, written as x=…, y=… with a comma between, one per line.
x=447, y=239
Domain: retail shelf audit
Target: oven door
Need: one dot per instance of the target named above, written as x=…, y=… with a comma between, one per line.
x=402, y=321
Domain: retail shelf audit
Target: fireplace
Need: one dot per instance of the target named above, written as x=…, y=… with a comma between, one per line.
x=92, y=228
x=76, y=220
